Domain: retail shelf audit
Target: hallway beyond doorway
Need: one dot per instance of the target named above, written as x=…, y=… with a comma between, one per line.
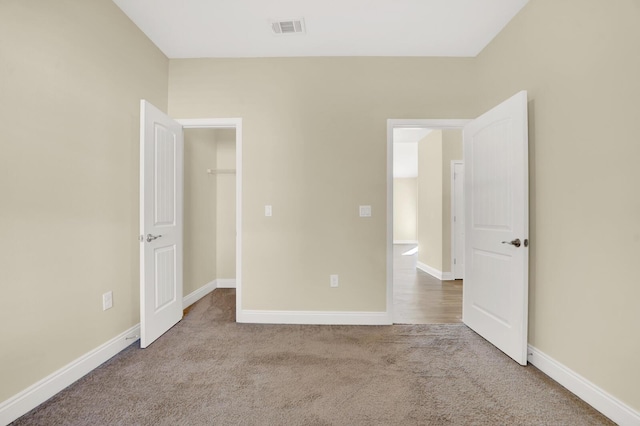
x=419, y=298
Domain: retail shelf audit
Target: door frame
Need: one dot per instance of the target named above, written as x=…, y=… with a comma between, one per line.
x=437, y=124
x=454, y=224
x=228, y=123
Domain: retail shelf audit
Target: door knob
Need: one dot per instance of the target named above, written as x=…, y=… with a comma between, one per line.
x=154, y=237
x=515, y=242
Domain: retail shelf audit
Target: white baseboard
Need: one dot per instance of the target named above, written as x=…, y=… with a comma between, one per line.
x=314, y=317
x=226, y=282
x=41, y=391
x=36, y=394
x=193, y=297
x=442, y=276
x=405, y=242
x=602, y=401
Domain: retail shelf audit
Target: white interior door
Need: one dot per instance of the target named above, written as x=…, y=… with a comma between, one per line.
x=161, y=188
x=495, y=291
x=457, y=198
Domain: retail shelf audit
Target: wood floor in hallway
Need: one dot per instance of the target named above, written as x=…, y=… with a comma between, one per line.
x=419, y=298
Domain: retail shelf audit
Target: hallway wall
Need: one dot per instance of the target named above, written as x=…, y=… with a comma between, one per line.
x=405, y=198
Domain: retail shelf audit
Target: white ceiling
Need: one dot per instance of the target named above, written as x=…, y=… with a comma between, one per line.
x=241, y=28
x=405, y=151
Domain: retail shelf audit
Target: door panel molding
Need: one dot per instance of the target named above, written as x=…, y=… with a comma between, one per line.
x=161, y=222
x=495, y=292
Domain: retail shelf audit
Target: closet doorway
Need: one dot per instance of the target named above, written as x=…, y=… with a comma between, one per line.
x=212, y=207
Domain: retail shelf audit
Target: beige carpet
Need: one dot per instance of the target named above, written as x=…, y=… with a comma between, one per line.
x=208, y=370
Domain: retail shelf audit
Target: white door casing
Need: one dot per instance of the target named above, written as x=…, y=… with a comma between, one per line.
x=495, y=291
x=161, y=209
x=457, y=219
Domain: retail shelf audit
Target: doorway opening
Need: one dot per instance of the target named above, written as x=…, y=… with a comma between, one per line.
x=213, y=206
x=209, y=209
x=424, y=161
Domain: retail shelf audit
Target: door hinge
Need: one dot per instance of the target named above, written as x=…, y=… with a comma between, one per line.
x=455, y=261
x=141, y=238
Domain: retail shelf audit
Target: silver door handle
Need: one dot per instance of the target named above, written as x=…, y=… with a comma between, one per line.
x=515, y=242
x=152, y=237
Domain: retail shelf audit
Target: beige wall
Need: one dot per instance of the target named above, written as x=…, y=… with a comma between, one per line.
x=71, y=77
x=314, y=147
x=579, y=61
x=226, y=204
x=430, y=200
x=451, y=150
x=209, y=207
x=200, y=209
x=435, y=153
x=405, y=198
x=75, y=71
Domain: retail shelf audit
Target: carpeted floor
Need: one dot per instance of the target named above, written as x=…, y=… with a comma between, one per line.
x=208, y=370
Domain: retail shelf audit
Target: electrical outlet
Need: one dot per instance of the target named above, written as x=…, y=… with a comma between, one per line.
x=333, y=280
x=365, y=211
x=107, y=300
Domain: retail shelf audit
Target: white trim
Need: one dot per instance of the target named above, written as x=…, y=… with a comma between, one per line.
x=453, y=213
x=390, y=127
x=315, y=317
x=194, y=296
x=226, y=282
x=36, y=394
x=405, y=242
x=228, y=123
x=25, y=401
x=593, y=395
x=394, y=123
x=437, y=123
x=210, y=123
x=442, y=276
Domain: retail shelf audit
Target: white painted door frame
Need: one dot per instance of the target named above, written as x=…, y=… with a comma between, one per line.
x=457, y=221
x=438, y=124
x=228, y=123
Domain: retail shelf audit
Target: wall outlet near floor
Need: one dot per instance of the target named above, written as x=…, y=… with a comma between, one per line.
x=333, y=280
x=107, y=300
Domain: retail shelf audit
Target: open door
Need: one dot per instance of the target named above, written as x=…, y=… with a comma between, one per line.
x=161, y=187
x=495, y=291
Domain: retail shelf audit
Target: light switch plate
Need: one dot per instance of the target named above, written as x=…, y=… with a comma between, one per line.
x=333, y=280
x=268, y=211
x=365, y=211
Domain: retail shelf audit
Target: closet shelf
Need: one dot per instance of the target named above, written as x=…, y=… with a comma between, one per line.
x=221, y=171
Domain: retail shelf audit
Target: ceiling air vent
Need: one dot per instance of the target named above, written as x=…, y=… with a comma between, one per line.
x=288, y=26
